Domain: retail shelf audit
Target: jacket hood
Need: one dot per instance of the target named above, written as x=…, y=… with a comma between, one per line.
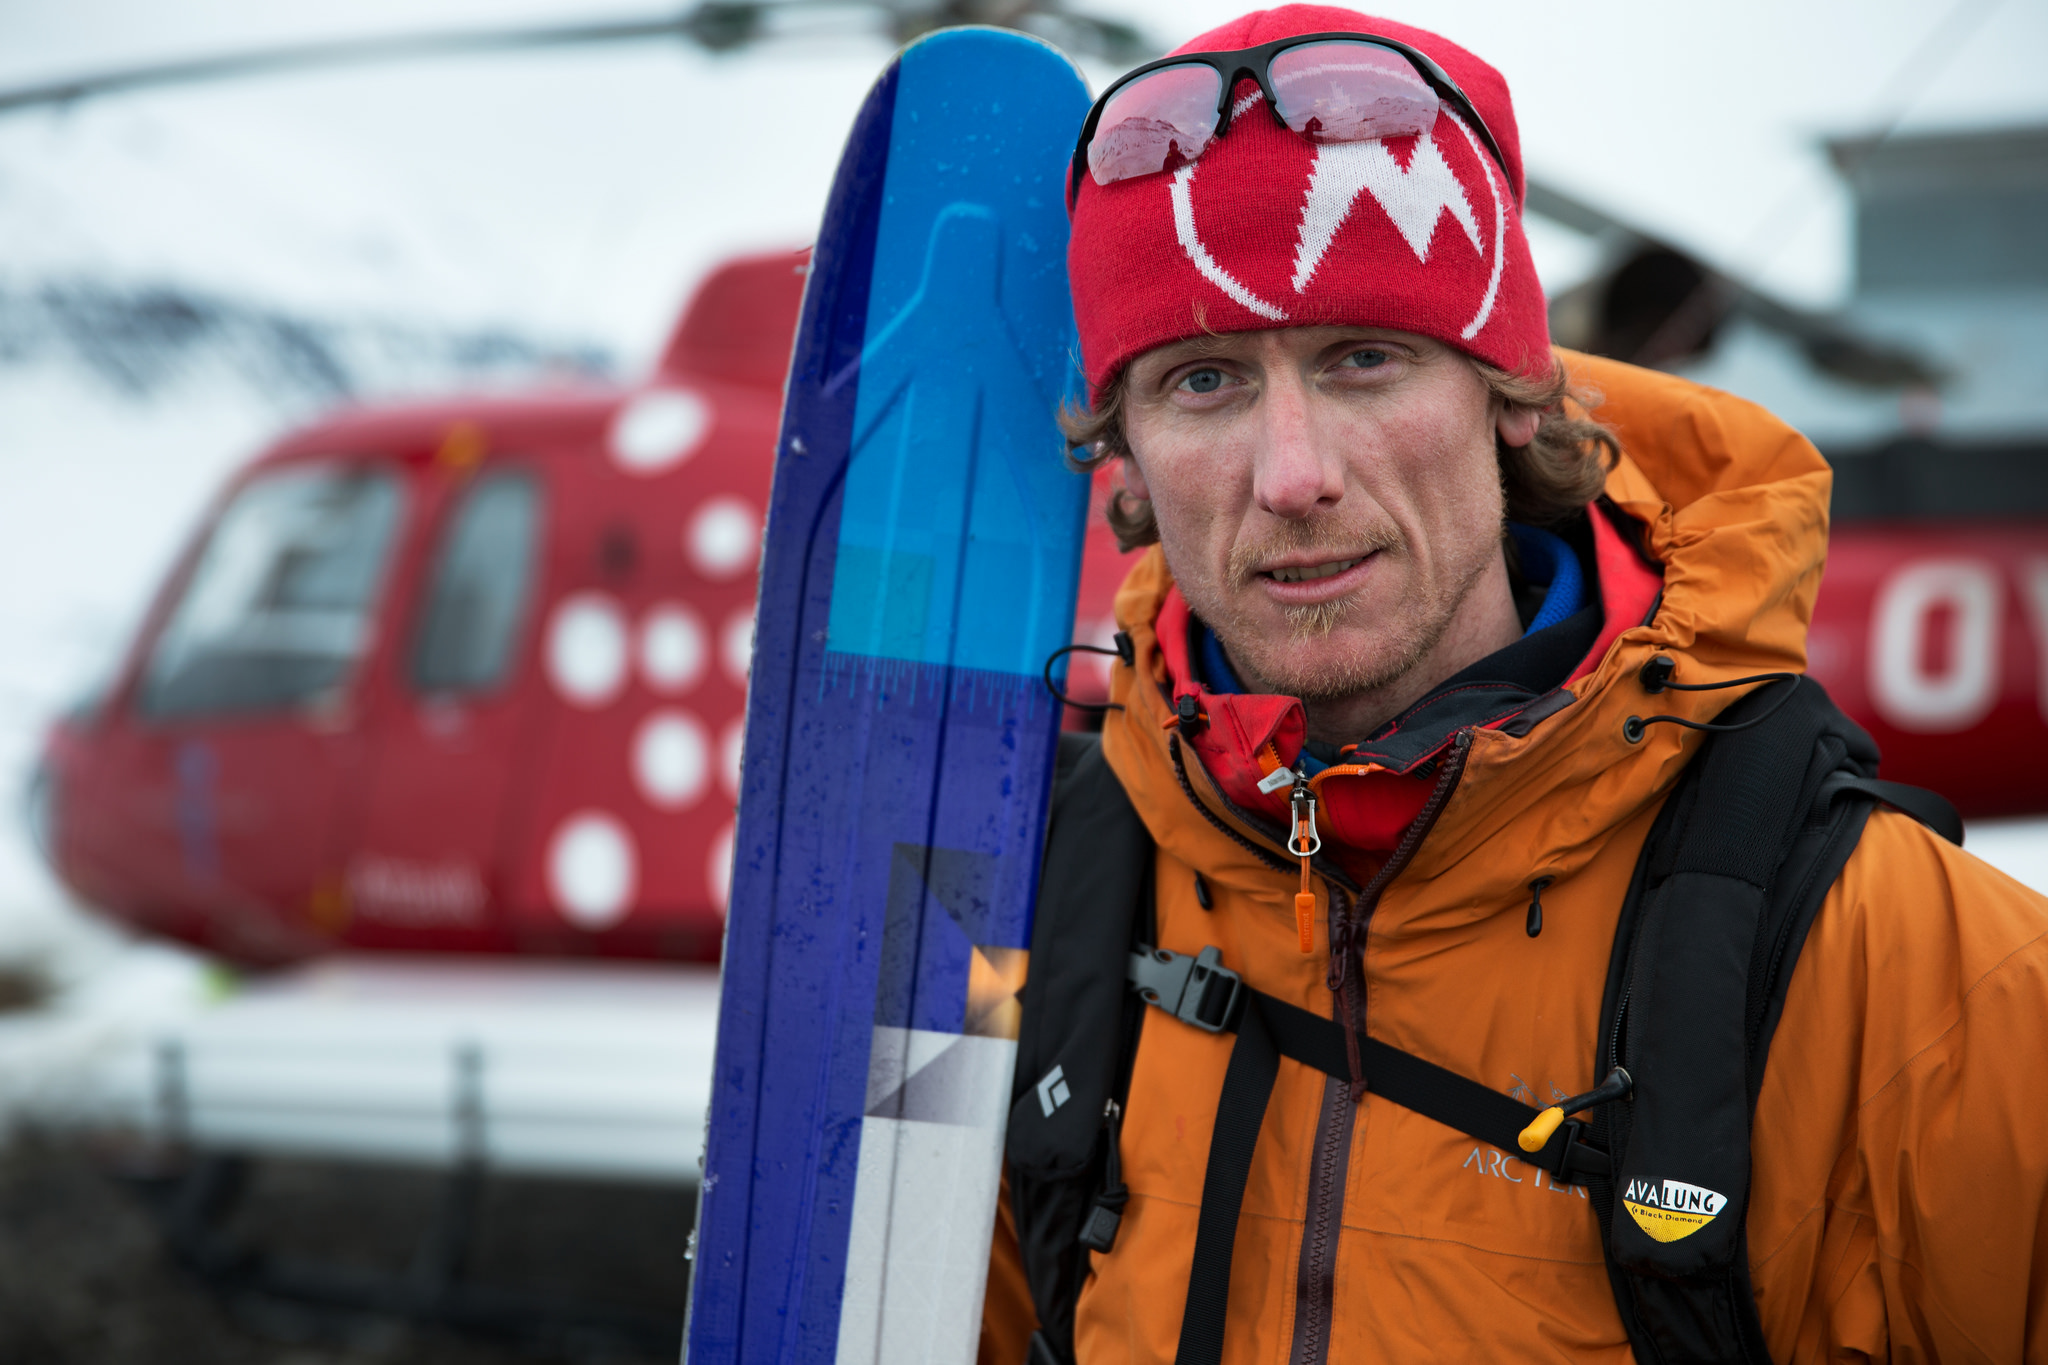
x=1731, y=505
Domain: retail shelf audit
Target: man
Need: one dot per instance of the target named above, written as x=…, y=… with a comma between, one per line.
x=1393, y=561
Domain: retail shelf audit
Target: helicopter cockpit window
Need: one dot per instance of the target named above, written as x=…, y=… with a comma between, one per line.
x=482, y=578
x=281, y=605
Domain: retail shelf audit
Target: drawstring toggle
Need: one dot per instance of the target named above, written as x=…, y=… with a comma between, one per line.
x=1188, y=716
x=1535, y=924
x=1617, y=1086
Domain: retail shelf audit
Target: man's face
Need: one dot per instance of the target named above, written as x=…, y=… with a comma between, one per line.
x=1328, y=499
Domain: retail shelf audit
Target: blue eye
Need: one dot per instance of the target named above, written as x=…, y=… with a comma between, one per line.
x=1204, y=381
x=1366, y=359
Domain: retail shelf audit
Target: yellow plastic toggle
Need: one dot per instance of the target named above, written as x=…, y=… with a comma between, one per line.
x=1537, y=1133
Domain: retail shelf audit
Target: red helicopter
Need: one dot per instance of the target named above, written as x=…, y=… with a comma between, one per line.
x=469, y=676
x=462, y=676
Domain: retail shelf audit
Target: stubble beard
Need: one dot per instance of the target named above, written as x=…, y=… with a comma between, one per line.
x=1325, y=675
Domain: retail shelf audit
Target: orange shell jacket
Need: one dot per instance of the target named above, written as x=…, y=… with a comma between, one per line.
x=1901, y=1137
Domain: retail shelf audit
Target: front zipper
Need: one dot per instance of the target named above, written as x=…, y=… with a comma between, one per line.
x=1316, y=1273
x=1349, y=936
x=1316, y=1278
x=1621, y=1020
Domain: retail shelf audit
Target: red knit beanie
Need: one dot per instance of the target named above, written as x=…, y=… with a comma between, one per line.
x=1267, y=229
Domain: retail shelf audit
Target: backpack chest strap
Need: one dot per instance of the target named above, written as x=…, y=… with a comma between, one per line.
x=1202, y=992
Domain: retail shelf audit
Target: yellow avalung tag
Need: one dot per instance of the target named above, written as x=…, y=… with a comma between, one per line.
x=1671, y=1209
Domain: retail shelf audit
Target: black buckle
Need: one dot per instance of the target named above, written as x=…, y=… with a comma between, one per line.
x=1196, y=990
x=1571, y=1159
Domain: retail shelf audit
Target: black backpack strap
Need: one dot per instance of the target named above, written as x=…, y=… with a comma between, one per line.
x=1730, y=879
x=1929, y=808
x=1079, y=1032
x=1240, y=1113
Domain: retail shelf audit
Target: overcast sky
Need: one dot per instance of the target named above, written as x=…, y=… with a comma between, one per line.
x=584, y=190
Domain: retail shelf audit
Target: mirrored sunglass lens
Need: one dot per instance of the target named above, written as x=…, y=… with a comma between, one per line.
x=1351, y=92
x=1159, y=122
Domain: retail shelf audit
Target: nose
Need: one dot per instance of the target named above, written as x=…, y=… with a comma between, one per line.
x=1294, y=472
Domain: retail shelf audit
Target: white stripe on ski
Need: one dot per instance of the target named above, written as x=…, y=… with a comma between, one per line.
x=924, y=1202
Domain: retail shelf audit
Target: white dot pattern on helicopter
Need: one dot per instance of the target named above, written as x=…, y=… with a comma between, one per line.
x=659, y=430
x=587, y=648
x=591, y=649
x=592, y=869
x=719, y=869
x=671, y=759
x=729, y=746
x=736, y=645
x=724, y=538
x=672, y=648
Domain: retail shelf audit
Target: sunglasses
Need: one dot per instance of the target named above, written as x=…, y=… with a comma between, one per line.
x=1328, y=87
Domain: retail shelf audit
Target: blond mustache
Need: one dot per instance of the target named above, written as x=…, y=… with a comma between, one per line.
x=1334, y=542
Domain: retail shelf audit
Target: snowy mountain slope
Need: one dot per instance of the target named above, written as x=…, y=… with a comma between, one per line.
x=140, y=339
x=185, y=191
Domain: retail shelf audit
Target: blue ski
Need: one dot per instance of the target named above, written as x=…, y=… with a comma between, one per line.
x=922, y=558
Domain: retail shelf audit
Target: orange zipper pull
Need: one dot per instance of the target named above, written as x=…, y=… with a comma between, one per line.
x=1305, y=913
x=1304, y=844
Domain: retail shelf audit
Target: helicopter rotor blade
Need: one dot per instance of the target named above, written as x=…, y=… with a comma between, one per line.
x=359, y=51
x=715, y=25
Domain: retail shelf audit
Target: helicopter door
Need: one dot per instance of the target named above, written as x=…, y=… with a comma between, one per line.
x=248, y=703
x=452, y=722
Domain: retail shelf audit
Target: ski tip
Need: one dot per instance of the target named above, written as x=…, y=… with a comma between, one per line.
x=980, y=42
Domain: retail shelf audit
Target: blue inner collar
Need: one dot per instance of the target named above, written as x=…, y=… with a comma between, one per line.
x=1548, y=563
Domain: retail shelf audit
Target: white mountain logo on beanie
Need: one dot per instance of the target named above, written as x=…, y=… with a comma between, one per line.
x=1414, y=200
